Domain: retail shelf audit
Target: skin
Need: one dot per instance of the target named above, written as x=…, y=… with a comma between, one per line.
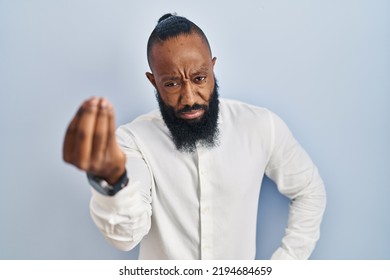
x=183, y=73
x=90, y=143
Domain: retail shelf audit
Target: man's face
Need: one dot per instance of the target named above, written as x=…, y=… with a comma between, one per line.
x=186, y=90
x=183, y=74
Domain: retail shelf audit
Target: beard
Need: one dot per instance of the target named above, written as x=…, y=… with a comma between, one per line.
x=186, y=134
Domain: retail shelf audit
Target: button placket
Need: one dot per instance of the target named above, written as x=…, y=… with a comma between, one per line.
x=204, y=204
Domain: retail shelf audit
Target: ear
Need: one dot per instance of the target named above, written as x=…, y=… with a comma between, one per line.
x=214, y=60
x=151, y=79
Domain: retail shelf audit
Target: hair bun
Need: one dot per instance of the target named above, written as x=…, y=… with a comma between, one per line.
x=164, y=17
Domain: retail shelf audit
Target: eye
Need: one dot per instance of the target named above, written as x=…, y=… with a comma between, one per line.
x=170, y=84
x=199, y=79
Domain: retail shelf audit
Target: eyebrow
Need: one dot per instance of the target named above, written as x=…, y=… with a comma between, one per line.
x=169, y=77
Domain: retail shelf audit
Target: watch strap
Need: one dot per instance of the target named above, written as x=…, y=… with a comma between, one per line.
x=103, y=187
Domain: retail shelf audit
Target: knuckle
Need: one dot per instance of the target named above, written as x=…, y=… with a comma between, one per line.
x=81, y=135
x=97, y=161
x=94, y=166
x=97, y=137
x=103, y=112
x=82, y=164
x=89, y=109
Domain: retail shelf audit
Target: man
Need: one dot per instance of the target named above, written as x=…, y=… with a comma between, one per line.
x=184, y=181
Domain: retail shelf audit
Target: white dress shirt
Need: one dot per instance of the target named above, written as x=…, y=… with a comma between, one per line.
x=203, y=205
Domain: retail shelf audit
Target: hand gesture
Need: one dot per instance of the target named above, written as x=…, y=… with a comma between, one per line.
x=90, y=142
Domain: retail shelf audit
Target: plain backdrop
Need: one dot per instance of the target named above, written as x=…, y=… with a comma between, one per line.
x=323, y=66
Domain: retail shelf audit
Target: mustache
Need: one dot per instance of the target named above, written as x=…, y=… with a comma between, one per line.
x=186, y=134
x=188, y=108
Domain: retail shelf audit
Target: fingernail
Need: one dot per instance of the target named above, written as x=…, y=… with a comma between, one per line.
x=103, y=103
x=94, y=101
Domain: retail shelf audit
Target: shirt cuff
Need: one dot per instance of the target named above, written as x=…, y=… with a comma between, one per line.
x=118, y=201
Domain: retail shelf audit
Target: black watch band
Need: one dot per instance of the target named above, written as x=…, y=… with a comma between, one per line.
x=101, y=186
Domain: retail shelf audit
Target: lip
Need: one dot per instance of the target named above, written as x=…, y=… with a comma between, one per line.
x=192, y=115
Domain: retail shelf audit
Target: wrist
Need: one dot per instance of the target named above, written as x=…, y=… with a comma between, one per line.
x=106, y=188
x=115, y=176
x=115, y=173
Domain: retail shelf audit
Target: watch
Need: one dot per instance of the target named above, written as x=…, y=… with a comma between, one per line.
x=103, y=187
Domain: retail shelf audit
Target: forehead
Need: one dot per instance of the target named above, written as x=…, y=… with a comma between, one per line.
x=180, y=53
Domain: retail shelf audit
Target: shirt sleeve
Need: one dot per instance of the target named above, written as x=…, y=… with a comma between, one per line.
x=125, y=218
x=297, y=178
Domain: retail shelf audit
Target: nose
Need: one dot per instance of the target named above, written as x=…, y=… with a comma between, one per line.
x=187, y=96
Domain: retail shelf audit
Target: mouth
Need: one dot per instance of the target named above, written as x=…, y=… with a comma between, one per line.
x=193, y=114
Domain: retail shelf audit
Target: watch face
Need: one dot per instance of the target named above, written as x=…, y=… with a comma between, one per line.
x=99, y=185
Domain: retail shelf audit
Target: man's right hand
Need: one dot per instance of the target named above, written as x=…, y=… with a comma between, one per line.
x=90, y=142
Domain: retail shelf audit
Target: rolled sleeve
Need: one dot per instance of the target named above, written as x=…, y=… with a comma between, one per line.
x=125, y=218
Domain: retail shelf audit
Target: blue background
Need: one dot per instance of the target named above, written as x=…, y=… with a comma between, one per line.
x=323, y=66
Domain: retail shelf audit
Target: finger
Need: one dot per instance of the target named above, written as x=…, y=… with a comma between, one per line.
x=84, y=133
x=68, y=145
x=111, y=128
x=100, y=136
x=116, y=156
